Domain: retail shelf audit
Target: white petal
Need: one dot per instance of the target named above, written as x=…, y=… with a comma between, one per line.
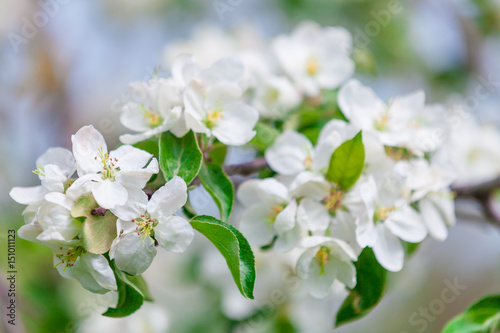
x=289, y=152
x=60, y=199
x=61, y=157
x=30, y=232
x=346, y=272
x=320, y=279
x=168, y=199
x=256, y=191
x=130, y=158
x=311, y=185
x=95, y=267
x=432, y=219
x=133, y=254
x=359, y=104
x=285, y=220
x=313, y=215
x=174, y=234
x=136, y=205
x=287, y=240
x=407, y=224
x=185, y=68
x=82, y=186
x=137, y=178
x=388, y=249
x=86, y=144
x=54, y=179
x=109, y=194
x=237, y=124
x=255, y=225
x=27, y=195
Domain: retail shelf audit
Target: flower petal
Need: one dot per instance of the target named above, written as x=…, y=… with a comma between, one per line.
x=132, y=254
x=61, y=157
x=388, y=249
x=174, y=234
x=255, y=191
x=312, y=215
x=109, y=194
x=136, y=205
x=236, y=127
x=86, y=144
x=407, y=224
x=285, y=220
x=168, y=199
x=27, y=195
x=289, y=152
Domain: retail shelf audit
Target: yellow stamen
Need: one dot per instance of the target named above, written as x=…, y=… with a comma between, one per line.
x=334, y=200
x=312, y=66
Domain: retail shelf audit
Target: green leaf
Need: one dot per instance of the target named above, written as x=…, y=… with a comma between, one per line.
x=150, y=145
x=130, y=298
x=347, y=162
x=370, y=287
x=180, y=156
x=98, y=231
x=482, y=316
x=218, y=153
x=219, y=186
x=233, y=247
x=265, y=136
x=141, y=284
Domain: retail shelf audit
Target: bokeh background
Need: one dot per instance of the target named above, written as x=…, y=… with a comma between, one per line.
x=74, y=70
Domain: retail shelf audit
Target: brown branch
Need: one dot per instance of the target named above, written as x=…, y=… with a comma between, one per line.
x=246, y=169
x=483, y=193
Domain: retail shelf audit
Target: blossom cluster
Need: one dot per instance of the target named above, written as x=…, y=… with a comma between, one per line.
x=61, y=212
x=376, y=176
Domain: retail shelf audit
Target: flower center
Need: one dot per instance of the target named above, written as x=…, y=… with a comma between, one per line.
x=381, y=122
x=382, y=213
x=273, y=213
x=108, y=165
x=312, y=66
x=145, y=225
x=397, y=153
x=69, y=257
x=322, y=258
x=152, y=118
x=308, y=162
x=213, y=117
x=271, y=96
x=333, y=200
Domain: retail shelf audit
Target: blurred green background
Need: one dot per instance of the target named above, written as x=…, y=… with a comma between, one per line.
x=74, y=71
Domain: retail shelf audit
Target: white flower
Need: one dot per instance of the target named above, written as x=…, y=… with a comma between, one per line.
x=270, y=217
x=321, y=201
x=54, y=169
x=387, y=219
x=400, y=123
x=473, y=151
x=314, y=57
x=56, y=229
x=143, y=222
x=326, y=260
x=110, y=175
x=438, y=213
x=156, y=107
x=91, y=270
x=53, y=226
x=424, y=177
x=213, y=105
x=292, y=152
x=275, y=96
